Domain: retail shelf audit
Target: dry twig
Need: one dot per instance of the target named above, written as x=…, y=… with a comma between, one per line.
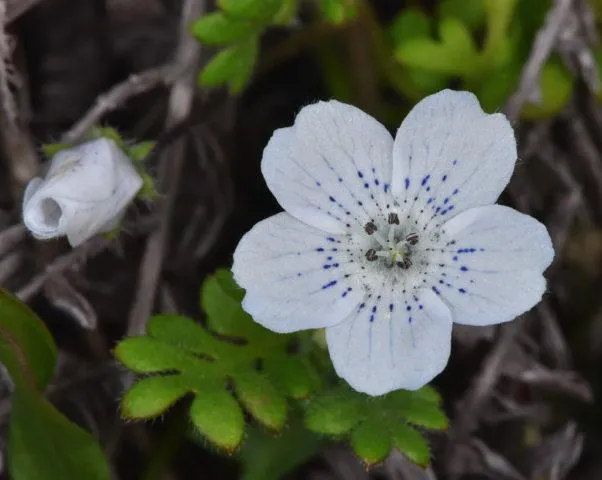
x=542, y=47
x=16, y=8
x=170, y=167
x=136, y=84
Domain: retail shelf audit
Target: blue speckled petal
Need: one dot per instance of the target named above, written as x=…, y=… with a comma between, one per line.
x=492, y=264
x=332, y=168
x=449, y=156
x=296, y=277
x=392, y=341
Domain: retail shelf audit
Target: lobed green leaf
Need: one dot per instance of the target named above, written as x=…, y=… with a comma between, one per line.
x=335, y=412
x=233, y=65
x=261, y=398
x=261, y=10
x=371, y=441
x=217, y=416
x=411, y=443
x=152, y=396
x=218, y=29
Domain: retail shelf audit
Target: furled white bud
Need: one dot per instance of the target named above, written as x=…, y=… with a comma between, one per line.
x=85, y=192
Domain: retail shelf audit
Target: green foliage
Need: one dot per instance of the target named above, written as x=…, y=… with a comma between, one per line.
x=481, y=46
x=42, y=443
x=232, y=365
x=263, y=10
x=232, y=66
x=26, y=346
x=454, y=54
x=237, y=27
x=217, y=28
x=470, y=12
x=338, y=12
x=375, y=425
x=231, y=357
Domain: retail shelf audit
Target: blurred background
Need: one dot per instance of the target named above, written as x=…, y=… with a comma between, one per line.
x=523, y=399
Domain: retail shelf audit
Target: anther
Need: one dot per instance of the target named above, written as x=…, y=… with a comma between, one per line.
x=393, y=219
x=371, y=255
x=405, y=263
x=370, y=228
x=412, y=238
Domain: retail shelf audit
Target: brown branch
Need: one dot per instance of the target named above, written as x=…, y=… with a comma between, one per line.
x=482, y=389
x=542, y=47
x=136, y=84
x=70, y=260
x=16, y=8
x=170, y=168
x=19, y=150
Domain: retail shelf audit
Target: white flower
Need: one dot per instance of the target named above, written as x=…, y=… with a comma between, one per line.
x=386, y=242
x=85, y=192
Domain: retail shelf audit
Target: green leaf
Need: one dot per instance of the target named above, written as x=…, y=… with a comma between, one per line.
x=232, y=350
x=470, y=12
x=499, y=15
x=371, y=441
x=267, y=457
x=149, y=355
x=218, y=29
x=411, y=443
x=44, y=445
x=218, y=417
x=372, y=422
x=221, y=299
x=51, y=149
x=503, y=81
x=410, y=23
x=107, y=132
x=26, y=346
x=335, y=412
x=286, y=13
x=261, y=398
x=417, y=408
x=233, y=65
x=338, y=12
x=454, y=54
x=292, y=375
x=262, y=10
x=150, y=397
x=185, y=334
x=140, y=151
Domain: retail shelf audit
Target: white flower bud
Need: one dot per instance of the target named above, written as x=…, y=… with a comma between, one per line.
x=85, y=192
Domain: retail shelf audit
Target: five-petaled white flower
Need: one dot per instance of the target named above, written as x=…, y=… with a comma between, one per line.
x=386, y=242
x=85, y=192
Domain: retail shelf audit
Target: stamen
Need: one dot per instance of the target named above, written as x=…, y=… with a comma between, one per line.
x=371, y=255
x=405, y=263
x=370, y=227
x=412, y=238
x=393, y=219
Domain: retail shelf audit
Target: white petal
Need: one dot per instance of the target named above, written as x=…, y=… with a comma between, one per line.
x=332, y=168
x=32, y=187
x=87, y=187
x=389, y=343
x=449, y=155
x=296, y=277
x=491, y=267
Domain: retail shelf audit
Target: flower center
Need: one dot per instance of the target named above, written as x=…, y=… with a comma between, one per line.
x=396, y=249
